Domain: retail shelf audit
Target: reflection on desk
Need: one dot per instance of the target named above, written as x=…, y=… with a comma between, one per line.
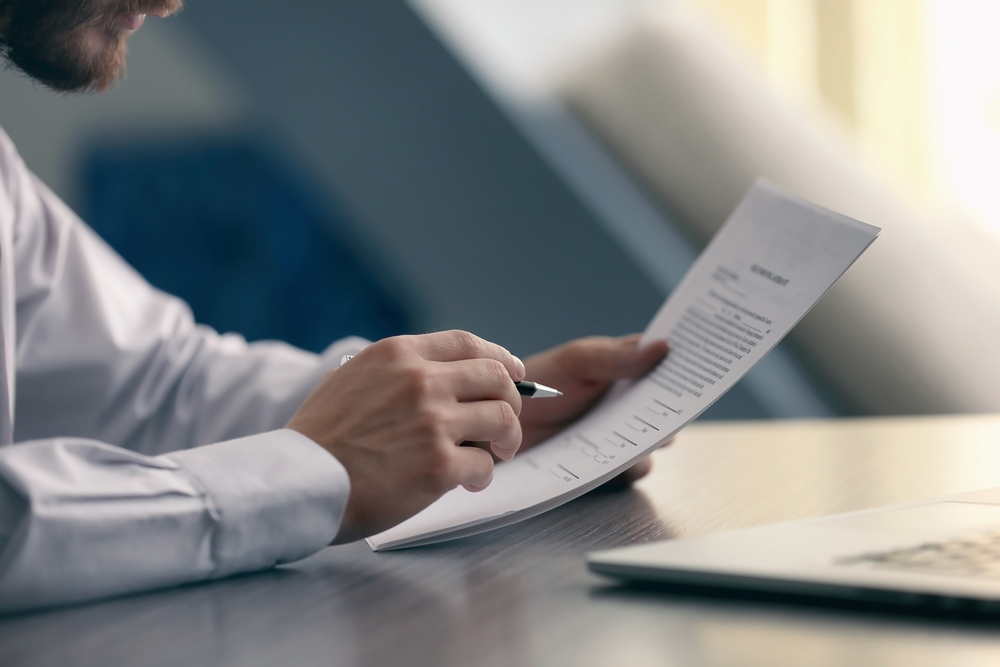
x=522, y=595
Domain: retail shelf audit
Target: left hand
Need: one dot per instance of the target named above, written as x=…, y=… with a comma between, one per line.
x=583, y=370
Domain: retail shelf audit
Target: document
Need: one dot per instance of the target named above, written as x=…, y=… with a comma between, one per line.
x=768, y=265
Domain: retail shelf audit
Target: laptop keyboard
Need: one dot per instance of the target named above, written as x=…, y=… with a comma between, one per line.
x=977, y=557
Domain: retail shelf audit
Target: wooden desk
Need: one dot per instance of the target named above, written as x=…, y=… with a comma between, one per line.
x=522, y=596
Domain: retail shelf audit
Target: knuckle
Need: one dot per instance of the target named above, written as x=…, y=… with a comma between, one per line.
x=418, y=382
x=507, y=417
x=431, y=427
x=576, y=351
x=598, y=343
x=391, y=348
x=590, y=355
x=517, y=406
x=468, y=343
x=436, y=460
x=586, y=347
x=441, y=471
x=497, y=372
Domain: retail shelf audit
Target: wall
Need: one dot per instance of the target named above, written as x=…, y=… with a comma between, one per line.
x=484, y=231
x=173, y=87
x=443, y=187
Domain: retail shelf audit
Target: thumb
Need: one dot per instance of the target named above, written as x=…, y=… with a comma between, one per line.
x=643, y=359
x=607, y=359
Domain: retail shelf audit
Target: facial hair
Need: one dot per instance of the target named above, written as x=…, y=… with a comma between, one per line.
x=47, y=39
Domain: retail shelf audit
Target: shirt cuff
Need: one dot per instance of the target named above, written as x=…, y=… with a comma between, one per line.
x=274, y=497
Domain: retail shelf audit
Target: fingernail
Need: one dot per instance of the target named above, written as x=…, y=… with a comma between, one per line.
x=520, y=366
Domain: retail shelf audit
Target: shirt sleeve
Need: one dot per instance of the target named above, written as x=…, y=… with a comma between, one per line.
x=102, y=354
x=82, y=520
x=150, y=449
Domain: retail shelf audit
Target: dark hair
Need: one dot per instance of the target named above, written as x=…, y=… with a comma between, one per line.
x=41, y=38
x=45, y=39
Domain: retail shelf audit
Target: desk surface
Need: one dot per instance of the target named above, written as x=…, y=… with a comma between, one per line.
x=522, y=596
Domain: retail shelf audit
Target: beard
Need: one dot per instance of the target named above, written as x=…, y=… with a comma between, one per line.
x=53, y=41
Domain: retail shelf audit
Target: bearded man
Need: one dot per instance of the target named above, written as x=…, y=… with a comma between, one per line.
x=152, y=451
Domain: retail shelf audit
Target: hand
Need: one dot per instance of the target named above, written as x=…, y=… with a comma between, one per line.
x=396, y=413
x=583, y=370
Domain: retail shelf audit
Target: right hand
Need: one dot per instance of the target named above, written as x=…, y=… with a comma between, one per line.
x=396, y=413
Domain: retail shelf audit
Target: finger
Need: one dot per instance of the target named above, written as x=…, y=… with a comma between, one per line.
x=460, y=345
x=472, y=468
x=481, y=379
x=491, y=421
x=486, y=447
x=638, y=471
x=645, y=359
x=605, y=359
x=630, y=476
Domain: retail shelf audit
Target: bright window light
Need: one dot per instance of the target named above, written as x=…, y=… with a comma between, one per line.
x=964, y=62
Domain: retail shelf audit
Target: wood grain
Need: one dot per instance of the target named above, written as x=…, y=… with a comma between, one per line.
x=522, y=596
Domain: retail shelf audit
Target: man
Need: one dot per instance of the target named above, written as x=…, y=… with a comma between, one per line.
x=153, y=452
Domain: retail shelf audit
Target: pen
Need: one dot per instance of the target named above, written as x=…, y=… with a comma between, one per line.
x=526, y=389
x=535, y=390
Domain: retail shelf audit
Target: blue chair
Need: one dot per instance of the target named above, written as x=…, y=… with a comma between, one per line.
x=230, y=228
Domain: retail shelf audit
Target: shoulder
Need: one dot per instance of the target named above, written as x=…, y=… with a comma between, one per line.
x=9, y=158
x=27, y=208
x=13, y=173
x=6, y=145
x=10, y=179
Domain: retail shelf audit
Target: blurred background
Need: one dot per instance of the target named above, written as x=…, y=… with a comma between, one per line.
x=538, y=170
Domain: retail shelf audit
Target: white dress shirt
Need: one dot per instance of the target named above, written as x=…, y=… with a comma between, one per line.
x=114, y=484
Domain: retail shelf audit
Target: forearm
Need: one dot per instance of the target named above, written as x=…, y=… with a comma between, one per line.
x=80, y=520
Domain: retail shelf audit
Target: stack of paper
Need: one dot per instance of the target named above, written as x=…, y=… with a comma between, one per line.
x=768, y=265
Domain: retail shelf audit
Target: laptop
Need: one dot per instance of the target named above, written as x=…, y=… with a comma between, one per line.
x=942, y=553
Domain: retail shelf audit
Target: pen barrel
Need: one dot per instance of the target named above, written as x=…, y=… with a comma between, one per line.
x=535, y=390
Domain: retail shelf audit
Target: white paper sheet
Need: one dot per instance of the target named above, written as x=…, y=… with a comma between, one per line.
x=768, y=265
